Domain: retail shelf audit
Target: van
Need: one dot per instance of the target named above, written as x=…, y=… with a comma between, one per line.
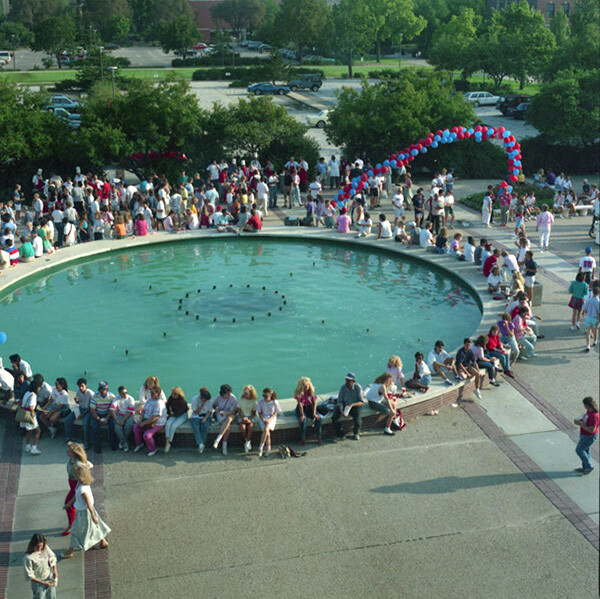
x=6, y=56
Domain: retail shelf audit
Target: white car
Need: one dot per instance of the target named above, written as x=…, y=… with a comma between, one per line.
x=481, y=98
x=318, y=120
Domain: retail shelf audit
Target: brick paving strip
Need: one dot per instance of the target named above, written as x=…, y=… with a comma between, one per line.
x=563, y=503
x=96, y=571
x=10, y=469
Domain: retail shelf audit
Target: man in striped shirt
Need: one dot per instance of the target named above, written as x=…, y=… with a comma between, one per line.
x=100, y=410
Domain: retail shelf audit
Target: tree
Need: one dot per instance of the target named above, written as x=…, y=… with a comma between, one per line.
x=302, y=22
x=116, y=28
x=520, y=45
x=101, y=15
x=55, y=35
x=353, y=24
x=400, y=110
x=146, y=13
x=559, y=25
x=146, y=119
x=31, y=12
x=239, y=14
x=454, y=43
x=14, y=35
x=394, y=19
x=567, y=110
x=178, y=34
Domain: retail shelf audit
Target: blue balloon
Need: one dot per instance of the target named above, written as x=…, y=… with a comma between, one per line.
x=378, y=165
x=423, y=150
x=393, y=163
x=454, y=136
x=414, y=152
x=490, y=130
x=506, y=134
x=478, y=139
x=510, y=188
x=516, y=171
x=436, y=138
x=446, y=132
x=517, y=163
x=3, y=338
x=370, y=173
x=510, y=144
x=340, y=204
x=386, y=163
x=434, y=144
x=470, y=131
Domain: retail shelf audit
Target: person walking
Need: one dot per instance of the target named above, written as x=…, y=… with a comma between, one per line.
x=88, y=530
x=40, y=567
x=77, y=456
x=544, y=223
x=588, y=433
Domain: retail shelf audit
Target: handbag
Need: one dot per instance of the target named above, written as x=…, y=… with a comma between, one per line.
x=25, y=416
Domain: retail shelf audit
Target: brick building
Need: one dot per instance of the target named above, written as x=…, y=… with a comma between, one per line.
x=201, y=9
x=547, y=7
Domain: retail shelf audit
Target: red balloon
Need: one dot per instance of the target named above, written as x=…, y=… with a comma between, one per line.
x=376, y=171
x=393, y=157
x=347, y=196
x=514, y=178
x=460, y=135
x=430, y=135
x=384, y=169
x=478, y=128
x=427, y=142
x=364, y=177
x=418, y=147
x=361, y=185
x=439, y=133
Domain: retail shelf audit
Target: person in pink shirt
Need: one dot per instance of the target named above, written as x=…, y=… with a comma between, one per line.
x=343, y=221
x=505, y=200
x=544, y=224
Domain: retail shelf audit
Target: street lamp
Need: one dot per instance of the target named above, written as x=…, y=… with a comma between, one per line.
x=112, y=75
x=101, y=49
x=14, y=49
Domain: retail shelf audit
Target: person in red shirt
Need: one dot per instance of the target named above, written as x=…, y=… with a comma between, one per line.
x=490, y=261
x=588, y=433
x=254, y=223
x=495, y=349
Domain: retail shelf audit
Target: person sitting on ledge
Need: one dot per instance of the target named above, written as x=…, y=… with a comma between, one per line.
x=254, y=224
x=343, y=221
x=466, y=365
x=267, y=409
x=307, y=409
x=349, y=403
x=381, y=400
x=225, y=408
x=439, y=360
x=152, y=419
x=421, y=379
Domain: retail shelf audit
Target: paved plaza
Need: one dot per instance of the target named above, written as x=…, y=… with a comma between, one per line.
x=478, y=501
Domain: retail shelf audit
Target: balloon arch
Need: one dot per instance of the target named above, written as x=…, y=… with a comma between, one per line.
x=433, y=140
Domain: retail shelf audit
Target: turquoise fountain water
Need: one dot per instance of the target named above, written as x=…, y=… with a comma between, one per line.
x=237, y=311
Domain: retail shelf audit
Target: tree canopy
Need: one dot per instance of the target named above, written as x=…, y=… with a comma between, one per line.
x=54, y=35
x=302, y=23
x=178, y=34
x=240, y=14
x=400, y=111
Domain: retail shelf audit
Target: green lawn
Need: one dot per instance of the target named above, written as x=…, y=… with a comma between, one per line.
x=530, y=89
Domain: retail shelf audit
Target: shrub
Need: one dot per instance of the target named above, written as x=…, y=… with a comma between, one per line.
x=243, y=76
x=542, y=196
x=217, y=61
x=539, y=152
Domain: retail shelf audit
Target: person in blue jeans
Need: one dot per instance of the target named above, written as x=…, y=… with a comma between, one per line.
x=100, y=412
x=588, y=433
x=200, y=418
x=83, y=396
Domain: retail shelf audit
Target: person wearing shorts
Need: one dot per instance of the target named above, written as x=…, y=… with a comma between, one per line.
x=591, y=312
x=579, y=291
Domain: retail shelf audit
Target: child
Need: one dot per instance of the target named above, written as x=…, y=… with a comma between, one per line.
x=591, y=311
x=578, y=290
x=469, y=250
x=267, y=410
x=455, y=249
x=422, y=376
x=587, y=266
x=343, y=222
x=400, y=234
x=519, y=223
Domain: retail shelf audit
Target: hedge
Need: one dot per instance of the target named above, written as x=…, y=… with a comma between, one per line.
x=217, y=61
x=539, y=152
x=246, y=75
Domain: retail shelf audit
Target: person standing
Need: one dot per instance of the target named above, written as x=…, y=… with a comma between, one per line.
x=544, y=223
x=588, y=433
x=591, y=312
x=29, y=403
x=351, y=399
x=88, y=530
x=587, y=266
x=76, y=455
x=262, y=196
x=40, y=567
x=334, y=173
x=486, y=210
x=579, y=290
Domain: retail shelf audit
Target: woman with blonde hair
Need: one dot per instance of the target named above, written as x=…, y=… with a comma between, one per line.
x=394, y=367
x=77, y=456
x=307, y=408
x=246, y=412
x=382, y=401
x=88, y=530
x=518, y=283
x=145, y=392
x=177, y=413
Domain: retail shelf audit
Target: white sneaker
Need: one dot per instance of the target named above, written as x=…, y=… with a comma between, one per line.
x=35, y=451
x=578, y=325
x=477, y=394
x=27, y=448
x=573, y=327
x=137, y=448
x=125, y=448
x=167, y=447
x=201, y=448
x=260, y=454
x=52, y=430
x=249, y=445
x=246, y=448
x=151, y=453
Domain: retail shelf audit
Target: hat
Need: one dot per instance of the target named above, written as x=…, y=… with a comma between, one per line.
x=588, y=249
x=78, y=170
x=102, y=385
x=412, y=224
x=350, y=376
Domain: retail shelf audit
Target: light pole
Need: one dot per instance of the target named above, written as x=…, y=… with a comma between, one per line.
x=101, y=50
x=112, y=75
x=14, y=49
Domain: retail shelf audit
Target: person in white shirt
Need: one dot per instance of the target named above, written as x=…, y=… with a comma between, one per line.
x=495, y=280
x=7, y=383
x=334, y=173
x=384, y=228
x=440, y=362
x=426, y=238
x=315, y=188
x=262, y=195
x=19, y=365
x=38, y=206
x=398, y=205
x=364, y=225
x=122, y=412
x=213, y=172
x=37, y=243
x=486, y=211
x=449, y=209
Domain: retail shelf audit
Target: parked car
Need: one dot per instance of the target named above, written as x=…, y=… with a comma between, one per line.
x=64, y=102
x=310, y=81
x=111, y=46
x=5, y=56
x=73, y=120
x=258, y=89
x=252, y=45
x=264, y=48
x=519, y=111
x=481, y=98
x=507, y=103
x=320, y=119
x=200, y=46
x=189, y=54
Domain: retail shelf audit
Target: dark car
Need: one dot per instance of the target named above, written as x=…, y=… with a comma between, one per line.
x=507, y=103
x=267, y=88
x=519, y=111
x=310, y=81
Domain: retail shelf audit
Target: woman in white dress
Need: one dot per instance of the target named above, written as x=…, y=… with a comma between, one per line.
x=88, y=530
x=32, y=429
